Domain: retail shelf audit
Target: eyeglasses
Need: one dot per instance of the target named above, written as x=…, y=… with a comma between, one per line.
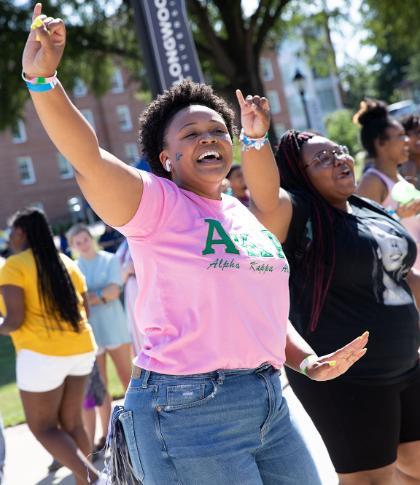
x=327, y=158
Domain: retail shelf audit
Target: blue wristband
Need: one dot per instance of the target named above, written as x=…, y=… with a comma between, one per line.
x=41, y=88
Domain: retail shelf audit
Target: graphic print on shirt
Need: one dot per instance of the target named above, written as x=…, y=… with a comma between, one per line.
x=261, y=244
x=391, y=267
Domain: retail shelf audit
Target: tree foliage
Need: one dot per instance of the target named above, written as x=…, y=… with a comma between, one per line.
x=393, y=28
x=342, y=130
x=229, y=40
x=230, y=44
x=95, y=36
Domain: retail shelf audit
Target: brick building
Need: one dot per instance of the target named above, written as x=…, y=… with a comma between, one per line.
x=32, y=170
x=34, y=173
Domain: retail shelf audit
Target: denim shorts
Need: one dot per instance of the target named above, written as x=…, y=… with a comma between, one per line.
x=229, y=426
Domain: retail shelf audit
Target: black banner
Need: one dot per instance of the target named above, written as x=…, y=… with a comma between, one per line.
x=167, y=43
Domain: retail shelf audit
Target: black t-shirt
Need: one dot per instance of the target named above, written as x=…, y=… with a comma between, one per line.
x=368, y=291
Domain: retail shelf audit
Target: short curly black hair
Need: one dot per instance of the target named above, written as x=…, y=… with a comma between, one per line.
x=156, y=117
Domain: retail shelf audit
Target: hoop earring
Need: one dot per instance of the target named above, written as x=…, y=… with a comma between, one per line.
x=168, y=165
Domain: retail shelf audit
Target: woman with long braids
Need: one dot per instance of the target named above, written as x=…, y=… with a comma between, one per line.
x=45, y=315
x=350, y=271
x=204, y=405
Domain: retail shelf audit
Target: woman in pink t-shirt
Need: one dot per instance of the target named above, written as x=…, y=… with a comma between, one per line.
x=205, y=403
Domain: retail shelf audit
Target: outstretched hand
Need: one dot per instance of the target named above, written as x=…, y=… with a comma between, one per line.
x=333, y=365
x=45, y=45
x=255, y=114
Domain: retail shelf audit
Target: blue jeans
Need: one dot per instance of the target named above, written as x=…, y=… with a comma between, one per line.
x=228, y=426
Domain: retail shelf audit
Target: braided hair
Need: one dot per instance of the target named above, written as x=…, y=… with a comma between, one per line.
x=55, y=287
x=319, y=255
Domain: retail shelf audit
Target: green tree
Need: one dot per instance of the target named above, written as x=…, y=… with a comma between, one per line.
x=95, y=35
x=358, y=81
x=393, y=28
x=342, y=130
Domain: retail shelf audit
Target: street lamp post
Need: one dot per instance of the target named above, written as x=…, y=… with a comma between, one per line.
x=299, y=81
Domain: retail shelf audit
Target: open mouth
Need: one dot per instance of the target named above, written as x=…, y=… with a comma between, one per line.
x=345, y=172
x=209, y=157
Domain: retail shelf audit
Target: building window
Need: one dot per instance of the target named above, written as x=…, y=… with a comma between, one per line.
x=266, y=69
x=124, y=118
x=279, y=129
x=64, y=167
x=131, y=153
x=19, y=132
x=273, y=98
x=88, y=115
x=327, y=100
x=26, y=170
x=117, y=81
x=80, y=88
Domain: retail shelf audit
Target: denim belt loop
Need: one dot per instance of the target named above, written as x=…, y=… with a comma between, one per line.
x=145, y=379
x=220, y=377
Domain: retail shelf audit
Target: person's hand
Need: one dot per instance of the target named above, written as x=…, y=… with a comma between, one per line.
x=410, y=209
x=255, y=115
x=333, y=365
x=41, y=58
x=93, y=299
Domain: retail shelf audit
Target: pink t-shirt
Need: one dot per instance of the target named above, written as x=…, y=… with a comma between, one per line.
x=214, y=283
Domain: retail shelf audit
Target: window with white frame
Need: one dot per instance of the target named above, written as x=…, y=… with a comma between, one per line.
x=19, y=132
x=131, y=153
x=273, y=98
x=88, y=115
x=80, y=88
x=124, y=118
x=64, y=167
x=117, y=81
x=26, y=170
x=266, y=69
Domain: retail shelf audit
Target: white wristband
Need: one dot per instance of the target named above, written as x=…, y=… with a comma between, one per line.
x=303, y=366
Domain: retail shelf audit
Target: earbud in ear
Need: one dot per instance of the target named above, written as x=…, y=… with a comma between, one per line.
x=168, y=165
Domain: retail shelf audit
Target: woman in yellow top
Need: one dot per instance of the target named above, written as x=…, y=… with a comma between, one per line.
x=45, y=314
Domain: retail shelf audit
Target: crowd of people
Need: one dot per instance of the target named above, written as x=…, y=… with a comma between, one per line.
x=230, y=273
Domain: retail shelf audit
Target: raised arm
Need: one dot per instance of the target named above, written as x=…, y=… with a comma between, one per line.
x=112, y=188
x=270, y=205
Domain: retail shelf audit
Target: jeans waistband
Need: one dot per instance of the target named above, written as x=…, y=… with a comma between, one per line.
x=145, y=375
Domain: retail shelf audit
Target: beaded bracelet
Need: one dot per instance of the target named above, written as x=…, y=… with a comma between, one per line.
x=40, y=84
x=309, y=360
x=248, y=143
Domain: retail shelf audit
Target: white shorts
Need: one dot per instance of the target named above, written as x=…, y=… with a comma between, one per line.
x=37, y=372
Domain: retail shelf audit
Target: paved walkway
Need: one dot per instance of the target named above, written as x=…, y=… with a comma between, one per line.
x=27, y=461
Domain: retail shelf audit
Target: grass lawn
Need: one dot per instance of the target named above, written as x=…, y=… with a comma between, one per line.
x=10, y=405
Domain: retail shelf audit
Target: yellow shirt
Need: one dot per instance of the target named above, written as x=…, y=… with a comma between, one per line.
x=40, y=332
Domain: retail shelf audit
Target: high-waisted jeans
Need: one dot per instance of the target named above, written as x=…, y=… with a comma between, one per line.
x=229, y=426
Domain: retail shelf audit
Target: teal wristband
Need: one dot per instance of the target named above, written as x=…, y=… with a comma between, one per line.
x=40, y=84
x=40, y=88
